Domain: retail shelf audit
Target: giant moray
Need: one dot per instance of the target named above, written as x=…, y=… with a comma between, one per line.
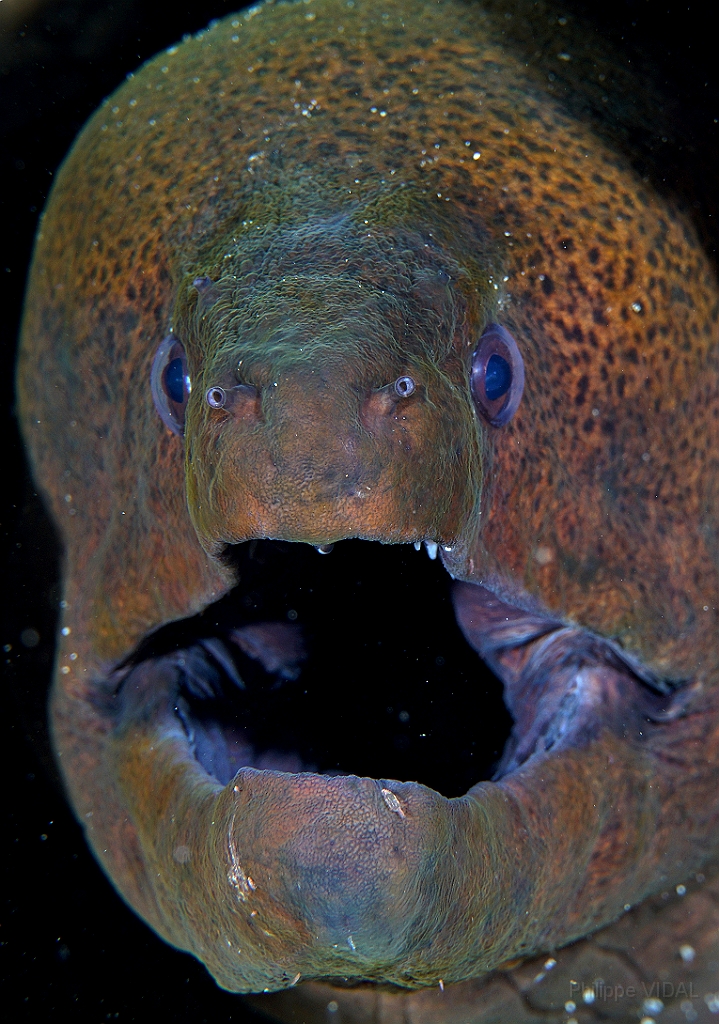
x=332, y=274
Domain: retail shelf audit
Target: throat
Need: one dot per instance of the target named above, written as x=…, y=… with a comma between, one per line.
x=348, y=662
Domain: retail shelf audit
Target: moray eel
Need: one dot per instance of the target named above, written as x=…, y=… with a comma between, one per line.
x=346, y=270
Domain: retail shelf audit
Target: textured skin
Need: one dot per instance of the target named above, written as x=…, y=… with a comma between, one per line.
x=622, y=966
x=313, y=161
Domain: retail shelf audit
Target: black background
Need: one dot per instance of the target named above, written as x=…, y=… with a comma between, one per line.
x=68, y=945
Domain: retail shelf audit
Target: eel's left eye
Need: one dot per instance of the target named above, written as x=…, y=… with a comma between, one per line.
x=497, y=377
x=170, y=384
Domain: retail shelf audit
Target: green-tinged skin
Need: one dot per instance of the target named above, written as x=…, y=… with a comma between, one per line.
x=368, y=186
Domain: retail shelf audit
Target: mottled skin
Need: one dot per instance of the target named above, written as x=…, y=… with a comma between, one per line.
x=313, y=162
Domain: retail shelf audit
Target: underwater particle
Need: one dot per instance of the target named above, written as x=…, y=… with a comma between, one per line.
x=392, y=802
x=652, y=1006
x=543, y=555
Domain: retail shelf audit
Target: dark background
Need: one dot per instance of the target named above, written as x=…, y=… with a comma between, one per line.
x=68, y=945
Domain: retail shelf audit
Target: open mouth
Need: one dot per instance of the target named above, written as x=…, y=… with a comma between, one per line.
x=352, y=663
x=255, y=745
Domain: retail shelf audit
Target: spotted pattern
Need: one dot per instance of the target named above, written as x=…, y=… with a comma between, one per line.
x=599, y=500
x=610, y=296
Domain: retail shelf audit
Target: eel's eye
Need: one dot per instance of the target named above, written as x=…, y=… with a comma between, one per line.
x=404, y=387
x=216, y=397
x=170, y=384
x=497, y=377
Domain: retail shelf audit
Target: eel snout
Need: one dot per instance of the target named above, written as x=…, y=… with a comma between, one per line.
x=331, y=453
x=278, y=876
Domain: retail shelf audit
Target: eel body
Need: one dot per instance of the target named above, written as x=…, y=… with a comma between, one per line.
x=352, y=270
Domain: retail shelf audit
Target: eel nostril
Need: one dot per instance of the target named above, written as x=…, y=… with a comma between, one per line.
x=243, y=402
x=216, y=397
x=404, y=386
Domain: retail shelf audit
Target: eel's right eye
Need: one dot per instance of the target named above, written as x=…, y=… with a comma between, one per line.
x=170, y=383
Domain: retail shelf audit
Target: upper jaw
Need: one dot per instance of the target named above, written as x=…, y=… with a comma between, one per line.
x=322, y=463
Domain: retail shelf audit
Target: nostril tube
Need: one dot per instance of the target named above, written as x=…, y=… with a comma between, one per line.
x=404, y=386
x=216, y=397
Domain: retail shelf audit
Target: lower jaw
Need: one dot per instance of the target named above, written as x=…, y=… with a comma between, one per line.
x=567, y=838
x=659, y=961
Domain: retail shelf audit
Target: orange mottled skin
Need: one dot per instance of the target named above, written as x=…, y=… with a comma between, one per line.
x=455, y=182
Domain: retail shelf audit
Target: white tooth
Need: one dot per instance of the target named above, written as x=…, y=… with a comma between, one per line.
x=417, y=545
x=431, y=546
